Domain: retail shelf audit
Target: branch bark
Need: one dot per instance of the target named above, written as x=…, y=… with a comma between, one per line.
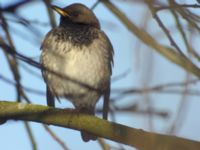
x=70, y=118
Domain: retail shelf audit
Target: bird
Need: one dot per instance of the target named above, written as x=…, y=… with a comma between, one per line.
x=77, y=60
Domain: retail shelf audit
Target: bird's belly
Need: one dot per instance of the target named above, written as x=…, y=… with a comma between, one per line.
x=88, y=67
x=82, y=71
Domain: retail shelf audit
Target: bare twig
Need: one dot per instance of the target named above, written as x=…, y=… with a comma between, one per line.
x=27, y=89
x=103, y=144
x=50, y=12
x=159, y=8
x=30, y=134
x=167, y=52
x=167, y=33
x=12, y=60
x=56, y=138
x=182, y=32
x=13, y=7
x=95, y=5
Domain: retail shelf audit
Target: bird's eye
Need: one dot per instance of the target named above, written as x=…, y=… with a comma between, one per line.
x=76, y=13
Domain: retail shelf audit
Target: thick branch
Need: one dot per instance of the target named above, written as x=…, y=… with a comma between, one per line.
x=71, y=119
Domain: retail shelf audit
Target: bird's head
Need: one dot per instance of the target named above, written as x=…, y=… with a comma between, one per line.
x=78, y=14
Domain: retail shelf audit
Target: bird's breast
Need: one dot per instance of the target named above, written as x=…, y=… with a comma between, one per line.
x=86, y=64
x=79, y=64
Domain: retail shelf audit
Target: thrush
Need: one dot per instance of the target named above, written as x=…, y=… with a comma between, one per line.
x=77, y=59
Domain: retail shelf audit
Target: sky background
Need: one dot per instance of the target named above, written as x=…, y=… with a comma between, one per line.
x=140, y=66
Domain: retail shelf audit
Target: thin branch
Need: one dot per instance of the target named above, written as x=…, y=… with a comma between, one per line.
x=189, y=17
x=27, y=89
x=57, y=139
x=24, y=21
x=182, y=32
x=50, y=12
x=13, y=7
x=167, y=33
x=12, y=61
x=103, y=144
x=30, y=134
x=120, y=76
x=165, y=51
x=95, y=5
x=157, y=90
x=159, y=8
x=181, y=111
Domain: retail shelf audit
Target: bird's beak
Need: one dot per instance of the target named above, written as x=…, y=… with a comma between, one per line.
x=60, y=11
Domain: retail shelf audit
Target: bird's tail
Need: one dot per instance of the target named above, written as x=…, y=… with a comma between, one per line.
x=87, y=136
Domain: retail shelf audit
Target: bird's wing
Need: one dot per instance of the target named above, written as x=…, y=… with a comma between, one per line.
x=109, y=49
x=109, y=55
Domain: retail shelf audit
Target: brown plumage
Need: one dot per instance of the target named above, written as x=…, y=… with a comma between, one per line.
x=79, y=56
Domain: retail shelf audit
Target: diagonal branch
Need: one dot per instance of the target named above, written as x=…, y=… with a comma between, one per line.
x=50, y=12
x=55, y=137
x=30, y=135
x=147, y=39
x=72, y=119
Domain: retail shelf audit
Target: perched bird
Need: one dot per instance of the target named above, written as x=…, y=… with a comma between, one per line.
x=77, y=59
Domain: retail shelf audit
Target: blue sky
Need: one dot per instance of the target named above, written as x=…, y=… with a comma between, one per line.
x=136, y=60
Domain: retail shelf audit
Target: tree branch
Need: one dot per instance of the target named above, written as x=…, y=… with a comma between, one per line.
x=72, y=119
x=147, y=39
